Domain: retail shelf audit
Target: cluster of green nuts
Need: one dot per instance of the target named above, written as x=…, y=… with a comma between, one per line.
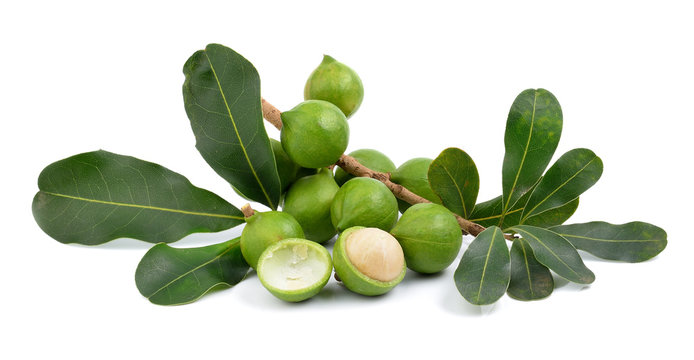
x=374, y=245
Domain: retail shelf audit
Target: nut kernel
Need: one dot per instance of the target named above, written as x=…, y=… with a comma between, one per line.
x=375, y=253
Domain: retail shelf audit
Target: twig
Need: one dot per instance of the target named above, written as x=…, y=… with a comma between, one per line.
x=352, y=166
x=272, y=114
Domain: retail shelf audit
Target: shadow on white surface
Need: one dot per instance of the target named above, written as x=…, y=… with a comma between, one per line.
x=454, y=303
x=192, y=240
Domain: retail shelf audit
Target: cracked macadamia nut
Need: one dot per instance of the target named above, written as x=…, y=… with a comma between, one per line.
x=369, y=261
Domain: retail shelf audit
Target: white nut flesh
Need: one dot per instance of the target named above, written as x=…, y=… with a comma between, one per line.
x=375, y=253
x=294, y=267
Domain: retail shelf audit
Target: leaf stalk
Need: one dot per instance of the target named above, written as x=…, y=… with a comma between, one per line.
x=247, y=211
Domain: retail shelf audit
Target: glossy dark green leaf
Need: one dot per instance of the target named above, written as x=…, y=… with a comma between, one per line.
x=532, y=133
x=453, y=177
x=95, y=197
x=572, y=174
x=553, y=217
x=170, y=276
x=489, y=213
x=632, y=242
x=221, y=93
x=530, y=280
x=556, y=253
x=483, y=273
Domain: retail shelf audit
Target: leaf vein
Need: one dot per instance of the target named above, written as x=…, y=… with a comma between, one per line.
x=147, y=207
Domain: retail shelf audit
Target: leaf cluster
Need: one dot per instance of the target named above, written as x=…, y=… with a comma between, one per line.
x=532, y=208
x=98, y=196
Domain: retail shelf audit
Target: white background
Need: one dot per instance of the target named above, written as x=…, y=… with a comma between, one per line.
x=77, y=77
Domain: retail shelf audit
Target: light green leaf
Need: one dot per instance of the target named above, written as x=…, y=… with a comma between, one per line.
x=95, y=197
x=453, y=177
x=631, y=242
x=222, y=99
x=170, y=276
x=483, y=273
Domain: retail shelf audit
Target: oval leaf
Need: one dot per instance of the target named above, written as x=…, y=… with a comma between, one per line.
x=532, y=133
x=556, y=253
x=484, y=270
x=453, y=177
x=530, y=280
x=632, y=242
x=169, y=276
x=222, y=99
x=574, y=172
x=95, y=197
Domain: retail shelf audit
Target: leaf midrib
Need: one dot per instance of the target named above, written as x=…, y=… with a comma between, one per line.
x=610, y=240
x=457, y=188
x=525, y=153
x=527, y=268
x=238, y=136
x=530, y=213
x=486, y=261
x=146, y=207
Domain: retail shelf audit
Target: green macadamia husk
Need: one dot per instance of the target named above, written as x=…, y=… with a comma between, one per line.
x=264, y=229
x=314, y=134
x=308, y=200
x=294, y=269
x=430, y=237
x=337, y=83
x=372, y=159
x=286, y=168
x=364, y=202
x=414, y=175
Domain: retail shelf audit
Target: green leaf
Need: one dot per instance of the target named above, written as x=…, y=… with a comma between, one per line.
x=552, y=217
x=453, y=177
x=489, y=213
x=556, y=253
x=95, y=197
x=533, y=130
x=170, y=276
x=222, y=98
x=484, y=270
x=574, y=172
x=632, y=242
x=530, y=280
